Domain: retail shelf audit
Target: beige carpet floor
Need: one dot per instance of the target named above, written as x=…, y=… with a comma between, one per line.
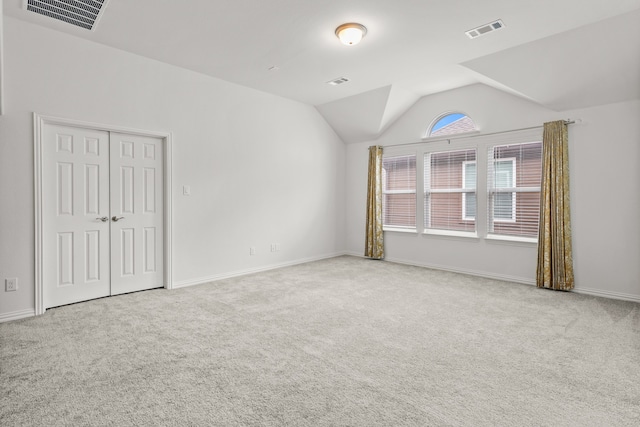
x=340, y=342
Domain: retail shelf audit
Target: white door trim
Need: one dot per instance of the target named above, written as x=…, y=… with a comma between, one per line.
x=39, y=121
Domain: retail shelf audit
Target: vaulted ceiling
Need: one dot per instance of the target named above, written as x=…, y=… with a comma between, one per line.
x=562, y=54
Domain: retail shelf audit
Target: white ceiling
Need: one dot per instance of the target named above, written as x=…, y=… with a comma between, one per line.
x=559, y=53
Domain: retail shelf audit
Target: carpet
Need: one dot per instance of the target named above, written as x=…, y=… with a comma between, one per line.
x=340, y=342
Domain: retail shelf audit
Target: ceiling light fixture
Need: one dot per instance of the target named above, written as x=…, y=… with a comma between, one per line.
x=351, y=33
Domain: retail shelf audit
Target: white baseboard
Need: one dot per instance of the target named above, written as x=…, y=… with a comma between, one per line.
x=607, y=294
x=16, y=315
x=484, y=274
x=526, y=281
x=201, y=280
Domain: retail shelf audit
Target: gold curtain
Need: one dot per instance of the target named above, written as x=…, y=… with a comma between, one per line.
x=555, y=260
x=373, y=246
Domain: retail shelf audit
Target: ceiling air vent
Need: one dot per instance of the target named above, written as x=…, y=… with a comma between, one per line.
x=338, y=81
x=81, y=13
x=484, y=29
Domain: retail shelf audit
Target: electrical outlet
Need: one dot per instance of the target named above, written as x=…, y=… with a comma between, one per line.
x=252, y=250
x=274, y=247
x=10, y=285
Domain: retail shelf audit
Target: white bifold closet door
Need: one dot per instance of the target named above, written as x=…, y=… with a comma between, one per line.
x=102, y=214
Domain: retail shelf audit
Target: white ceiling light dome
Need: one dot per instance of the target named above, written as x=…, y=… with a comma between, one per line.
x=351, y=33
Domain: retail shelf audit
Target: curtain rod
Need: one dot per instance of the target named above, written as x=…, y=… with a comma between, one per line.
x=566, y=122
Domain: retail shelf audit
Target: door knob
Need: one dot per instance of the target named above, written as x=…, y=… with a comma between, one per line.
x=104, y=219
x=116, y=218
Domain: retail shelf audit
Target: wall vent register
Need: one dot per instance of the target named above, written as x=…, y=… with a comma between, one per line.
x=81, y=13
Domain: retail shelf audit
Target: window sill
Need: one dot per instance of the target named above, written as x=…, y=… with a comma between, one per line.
x=451, y=233
x=498, y=238
x=400, y=230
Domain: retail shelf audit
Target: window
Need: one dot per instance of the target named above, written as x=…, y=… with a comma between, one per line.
x=513, y=188
x=399, y=192
x=485, y=186
x=451, y=124
x=450, y=190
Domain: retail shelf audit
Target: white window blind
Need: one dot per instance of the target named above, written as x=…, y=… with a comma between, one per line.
x=450, y=190
x=399, y=191
x=513, y=189
x=469, y=177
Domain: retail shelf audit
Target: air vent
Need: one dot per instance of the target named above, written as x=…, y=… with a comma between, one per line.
x=338, y=81
x=81, y=13
x=485, y=29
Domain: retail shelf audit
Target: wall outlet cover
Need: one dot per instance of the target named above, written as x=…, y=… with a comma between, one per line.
x=10, y=285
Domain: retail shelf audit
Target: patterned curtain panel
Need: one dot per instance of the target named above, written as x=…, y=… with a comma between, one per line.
x=555, y=261
x=373, y=243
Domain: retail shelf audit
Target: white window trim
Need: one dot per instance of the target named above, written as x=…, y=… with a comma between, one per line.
x=448, y=138
x=511, y=238
x=450, y=233
x=397, y=229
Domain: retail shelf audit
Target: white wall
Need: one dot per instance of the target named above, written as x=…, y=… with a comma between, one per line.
x=605, y=184
x=262, y=169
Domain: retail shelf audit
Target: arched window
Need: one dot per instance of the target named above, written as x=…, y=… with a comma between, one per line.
x=450, y=124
